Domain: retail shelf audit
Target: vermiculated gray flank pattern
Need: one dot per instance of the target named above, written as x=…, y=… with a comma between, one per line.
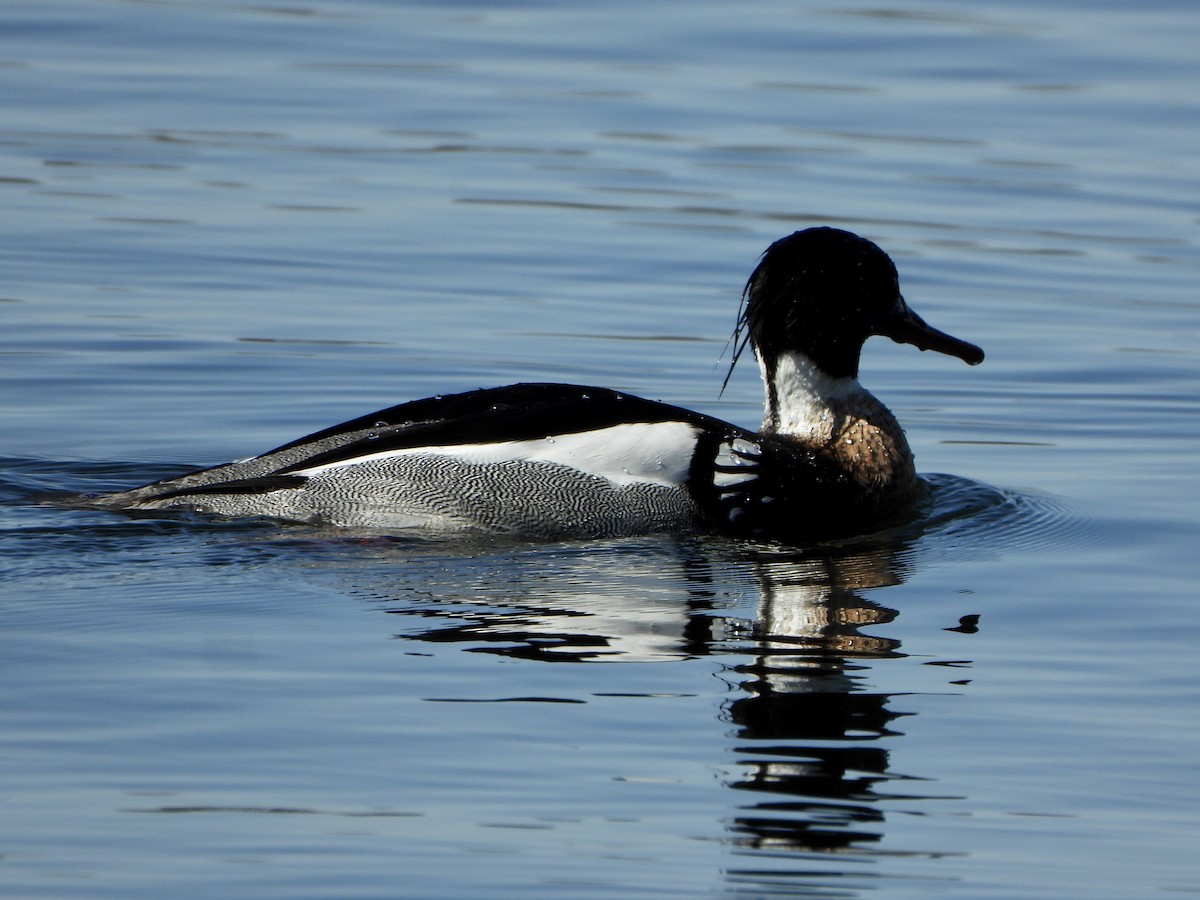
x=444, y=493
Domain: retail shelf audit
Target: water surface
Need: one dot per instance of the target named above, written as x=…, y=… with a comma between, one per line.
x=230, y=225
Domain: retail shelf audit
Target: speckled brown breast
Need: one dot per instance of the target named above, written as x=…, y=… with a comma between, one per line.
x=869, y=443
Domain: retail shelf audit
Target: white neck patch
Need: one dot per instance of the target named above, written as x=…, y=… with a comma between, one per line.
x=806, y=399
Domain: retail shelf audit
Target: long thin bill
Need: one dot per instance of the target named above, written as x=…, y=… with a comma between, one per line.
x=912, y=329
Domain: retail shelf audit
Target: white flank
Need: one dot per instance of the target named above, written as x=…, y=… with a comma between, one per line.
x=644, y=452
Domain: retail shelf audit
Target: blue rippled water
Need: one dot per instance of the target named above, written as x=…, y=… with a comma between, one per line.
x=229, y=225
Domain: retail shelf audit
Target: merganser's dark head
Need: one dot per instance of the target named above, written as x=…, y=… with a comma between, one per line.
x=822, y=292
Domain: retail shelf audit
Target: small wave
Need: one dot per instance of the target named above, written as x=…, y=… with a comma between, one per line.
x=963, y=517
x=42, y=480
x=45, y=531
x=965, y=514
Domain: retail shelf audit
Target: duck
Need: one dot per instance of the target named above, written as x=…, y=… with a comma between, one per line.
x=565, y=461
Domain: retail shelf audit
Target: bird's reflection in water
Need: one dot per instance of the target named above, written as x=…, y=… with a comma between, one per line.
x=638, y=600
x=804, y=726
x=792, y=631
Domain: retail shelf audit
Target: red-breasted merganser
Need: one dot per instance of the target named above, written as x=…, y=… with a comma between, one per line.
x=559, y=460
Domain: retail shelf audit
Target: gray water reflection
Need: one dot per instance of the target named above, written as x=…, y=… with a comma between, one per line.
x=792, y=630
x=807, y=728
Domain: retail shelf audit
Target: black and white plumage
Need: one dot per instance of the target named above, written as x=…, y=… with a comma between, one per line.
x=558, y=460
